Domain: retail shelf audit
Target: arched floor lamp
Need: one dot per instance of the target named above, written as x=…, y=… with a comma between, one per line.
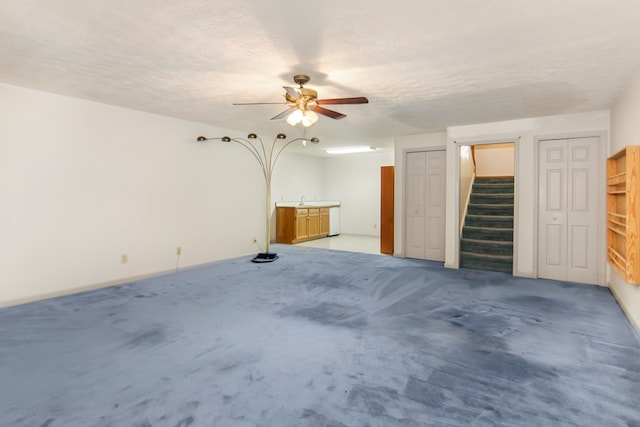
x=267, y=161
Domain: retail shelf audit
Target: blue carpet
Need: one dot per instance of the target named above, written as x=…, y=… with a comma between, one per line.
x=322, y=338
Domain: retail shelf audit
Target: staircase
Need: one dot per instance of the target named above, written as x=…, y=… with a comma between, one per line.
x=487, y=235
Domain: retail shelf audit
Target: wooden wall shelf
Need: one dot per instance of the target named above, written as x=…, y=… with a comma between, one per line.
x=623, y=213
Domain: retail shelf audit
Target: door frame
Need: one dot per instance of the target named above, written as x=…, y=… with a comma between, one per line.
x=459, y=143
x=601, y=230
x=404, y=189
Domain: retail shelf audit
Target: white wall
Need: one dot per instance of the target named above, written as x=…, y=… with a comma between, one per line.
x=403, y=145
x=354, y=180
x=625, y=130
x=296, y=175
x=495, y=160
x=528, y=131
x=82, y=183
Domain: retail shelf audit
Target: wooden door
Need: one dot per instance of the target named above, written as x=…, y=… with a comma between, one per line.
x=387, y=174
x=425, y=205
x=568, y=209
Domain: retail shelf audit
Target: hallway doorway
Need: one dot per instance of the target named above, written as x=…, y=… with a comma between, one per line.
x=487, y=202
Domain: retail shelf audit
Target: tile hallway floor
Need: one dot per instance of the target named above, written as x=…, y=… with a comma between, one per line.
x=347, y=242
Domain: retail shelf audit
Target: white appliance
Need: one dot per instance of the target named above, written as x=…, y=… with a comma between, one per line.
x=334, y=220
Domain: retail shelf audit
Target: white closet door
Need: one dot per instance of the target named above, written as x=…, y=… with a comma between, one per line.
x=568, y=209
x=582, y=213
x=415, y=204
x=552, y=210
x=425, y=205
x=435, y=205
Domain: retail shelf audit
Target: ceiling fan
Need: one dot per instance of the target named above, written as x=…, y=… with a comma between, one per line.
x=303, y=104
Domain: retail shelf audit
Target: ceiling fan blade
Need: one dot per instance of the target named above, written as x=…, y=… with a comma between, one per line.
x=293, y=92
x=290, y=99
x=258, y=103
x=356, y=100
x=329, y=113
x=282, y=115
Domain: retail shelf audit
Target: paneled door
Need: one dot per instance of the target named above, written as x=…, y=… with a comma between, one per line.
x=387, y=174
x=425, y=205
x=568, y=209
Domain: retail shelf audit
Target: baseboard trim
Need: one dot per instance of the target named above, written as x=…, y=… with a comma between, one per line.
x=635, y=324
x=93, y=287
x=71, y=291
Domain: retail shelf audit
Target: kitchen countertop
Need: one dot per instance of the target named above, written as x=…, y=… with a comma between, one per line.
x=308, y=203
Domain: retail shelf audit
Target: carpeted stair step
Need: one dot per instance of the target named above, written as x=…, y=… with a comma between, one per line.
x=502, y=221
x=491, y=198
x=494, y=180
x=487, y=233
x=492, y=188
x=502, y=263
x=491, y=247
x=490, y=209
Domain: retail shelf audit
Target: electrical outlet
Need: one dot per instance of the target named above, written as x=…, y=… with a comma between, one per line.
x=124, y=258
x=254, y=240
x=375, y=226
x=178, y=250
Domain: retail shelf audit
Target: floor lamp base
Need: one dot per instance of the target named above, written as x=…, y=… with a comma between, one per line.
x=265, y=257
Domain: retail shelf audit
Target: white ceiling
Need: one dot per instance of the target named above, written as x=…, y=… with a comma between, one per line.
x=423, y=64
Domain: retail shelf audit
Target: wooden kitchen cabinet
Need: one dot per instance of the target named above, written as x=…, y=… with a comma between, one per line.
x=314, y=223
x=299, y=224
x=302, y=225
x=324, y=221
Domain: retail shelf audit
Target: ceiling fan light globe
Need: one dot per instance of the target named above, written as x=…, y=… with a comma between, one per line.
x=294, y=118
x=309, y=118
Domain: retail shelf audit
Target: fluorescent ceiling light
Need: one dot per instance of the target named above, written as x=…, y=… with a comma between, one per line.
x=345, y=150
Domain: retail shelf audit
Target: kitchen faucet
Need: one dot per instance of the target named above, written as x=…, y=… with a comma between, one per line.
x=301, y=200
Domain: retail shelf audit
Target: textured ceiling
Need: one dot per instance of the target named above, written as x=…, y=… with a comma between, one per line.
x=423, y=64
